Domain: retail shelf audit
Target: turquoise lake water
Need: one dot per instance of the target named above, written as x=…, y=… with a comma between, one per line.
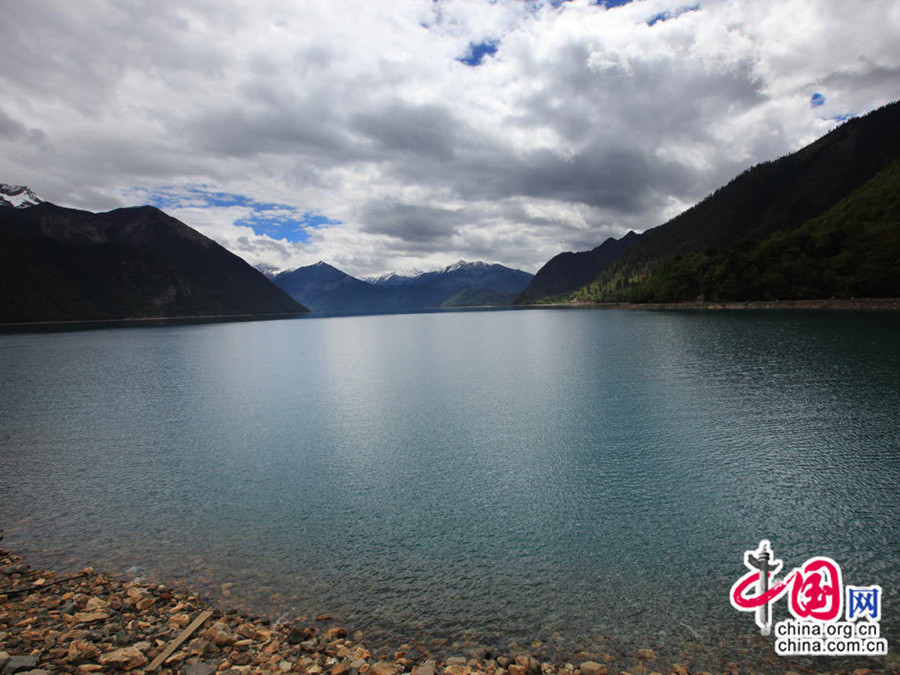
x=587, y=478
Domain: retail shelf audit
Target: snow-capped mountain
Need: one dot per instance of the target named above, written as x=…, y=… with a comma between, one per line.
x=18, y=196
x=402, y=277
x=269, y=270
x=462, y=274
x=462, y=265
x=393, y=278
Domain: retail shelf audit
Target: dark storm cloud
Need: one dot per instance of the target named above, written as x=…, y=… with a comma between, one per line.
x=410, y=222
x=426, y=132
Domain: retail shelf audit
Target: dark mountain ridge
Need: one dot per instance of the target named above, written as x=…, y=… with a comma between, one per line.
x=849, y=251
x=61, y=264
x=772, y=197
x=570, y=271
x=326, y=289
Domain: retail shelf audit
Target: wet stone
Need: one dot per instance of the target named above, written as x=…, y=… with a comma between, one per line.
x=646, y=654
x=17, y=568
x=299, y=634
x=82, y=650
x=200, y=668
x=592, y=668
x=126, y=658
x=383, y=668
x=89, y=668
x=458, y=670
x=220, y=634
x=90, y=617
x=18, y=664
x=340, y=669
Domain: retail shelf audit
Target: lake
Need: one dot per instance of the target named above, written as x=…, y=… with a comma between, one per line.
x=588, y=479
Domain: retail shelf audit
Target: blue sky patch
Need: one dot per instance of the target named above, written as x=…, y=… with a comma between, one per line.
x=672, y=14
x=817, y=100
x=477, y=52
x=609, y=4
x=278, y=221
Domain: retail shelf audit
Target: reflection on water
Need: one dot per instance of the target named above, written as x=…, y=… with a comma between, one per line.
x=590, y=478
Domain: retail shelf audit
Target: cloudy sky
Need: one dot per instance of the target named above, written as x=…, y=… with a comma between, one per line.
x=390, y=134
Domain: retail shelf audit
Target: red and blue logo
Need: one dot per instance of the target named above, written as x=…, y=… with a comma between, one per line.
x=817, y=601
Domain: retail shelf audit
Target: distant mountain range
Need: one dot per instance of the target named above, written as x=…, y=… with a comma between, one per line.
x=821, y=222
x=59, y=264
x=326, y=289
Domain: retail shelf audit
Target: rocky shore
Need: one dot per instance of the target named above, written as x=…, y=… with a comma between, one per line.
x=842, y=304
x=95, y=623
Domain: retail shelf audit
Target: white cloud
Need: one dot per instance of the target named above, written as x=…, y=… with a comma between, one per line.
x=584, y=123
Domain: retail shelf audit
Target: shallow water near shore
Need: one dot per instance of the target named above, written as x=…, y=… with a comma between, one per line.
x=588, y=479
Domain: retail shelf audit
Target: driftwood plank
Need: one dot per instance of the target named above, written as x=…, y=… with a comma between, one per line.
x=177, y=642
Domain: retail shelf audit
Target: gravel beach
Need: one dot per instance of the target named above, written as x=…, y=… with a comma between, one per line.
x=90, y=622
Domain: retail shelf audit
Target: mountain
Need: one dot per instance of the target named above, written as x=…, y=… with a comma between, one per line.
x=569, y=271
x=60, y=264
x=393, y=278
x=850, y=251
x=463, y=275
x=772, y=197
x=17, y=196
x=326, y=289
x=268, y=270
x=480, y=297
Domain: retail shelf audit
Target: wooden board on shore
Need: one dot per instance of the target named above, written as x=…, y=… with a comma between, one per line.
x=177, y=642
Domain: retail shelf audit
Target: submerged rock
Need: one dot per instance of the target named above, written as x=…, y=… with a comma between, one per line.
x=592, y=668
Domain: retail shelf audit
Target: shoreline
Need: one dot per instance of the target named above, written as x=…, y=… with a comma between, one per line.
x=91, y=622
x=78, y=324
x=837, y=304
x=855, y=304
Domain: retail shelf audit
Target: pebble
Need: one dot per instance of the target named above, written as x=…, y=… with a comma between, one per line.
x=592, y=668
x=646, y=654
x=18, y=664
x=199, y=668
x=126, y=658
x=458, y=670
x=14, y=569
